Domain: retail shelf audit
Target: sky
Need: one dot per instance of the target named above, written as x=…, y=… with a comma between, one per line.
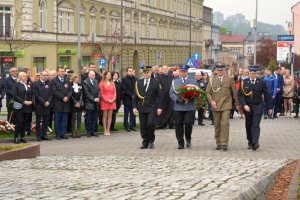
x=269, y=11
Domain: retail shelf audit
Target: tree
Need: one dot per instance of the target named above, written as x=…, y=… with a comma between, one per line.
x=223, y=31
x=272, y=64
x=266, y=51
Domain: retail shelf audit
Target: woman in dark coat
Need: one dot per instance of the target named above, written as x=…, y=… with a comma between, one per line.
x=76, y=106
x=118, y=86
x=23, y=95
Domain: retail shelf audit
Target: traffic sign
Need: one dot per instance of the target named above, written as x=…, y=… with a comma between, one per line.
x=197, y=64
x=196, y=56
x=142, y=64
x=102, y=62
x=189, y=62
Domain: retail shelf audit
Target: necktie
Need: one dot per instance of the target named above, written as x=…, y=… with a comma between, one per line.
x=146, y=83
x=43, y=82
x=92, y=82
x=220, y=79
x=252, y=82
x=183, y=80
x=61, y=80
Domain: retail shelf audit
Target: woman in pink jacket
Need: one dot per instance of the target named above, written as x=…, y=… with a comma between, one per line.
x=108, y=100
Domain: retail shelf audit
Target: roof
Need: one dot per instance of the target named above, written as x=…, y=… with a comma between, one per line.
x=259, y=37
x=232, y=38
x=295, y=5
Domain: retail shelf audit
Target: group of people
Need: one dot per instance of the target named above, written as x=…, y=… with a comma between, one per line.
x=63, y=98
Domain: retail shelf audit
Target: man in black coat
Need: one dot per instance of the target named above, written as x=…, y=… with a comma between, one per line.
x=250, y=96
x=9, y=84
x=147, y=100
x=62, y=93
x=43, y=98
x=2, y=90
x=128, y=84
x=92, y=67
x=91, y=98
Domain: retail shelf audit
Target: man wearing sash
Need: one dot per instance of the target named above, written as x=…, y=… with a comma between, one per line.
x=250, y=95
x=147, y=100
x=220, y=91
x=184, y=110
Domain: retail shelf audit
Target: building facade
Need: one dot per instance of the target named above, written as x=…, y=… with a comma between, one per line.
x=217, y=45
x=296, y=26
x=218, y=18
x=42, y=34
x=207, y=35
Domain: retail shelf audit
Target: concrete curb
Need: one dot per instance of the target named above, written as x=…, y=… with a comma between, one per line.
x=28, y=152
x=293, y=189
x=260, y=189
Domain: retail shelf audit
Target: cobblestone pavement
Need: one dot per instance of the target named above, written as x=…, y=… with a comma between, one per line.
x=114, y=167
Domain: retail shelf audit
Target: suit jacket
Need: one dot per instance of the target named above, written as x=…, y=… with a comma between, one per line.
x=9, y=84
x=20, y=94
x=2, y=89
x=86, y=76
x=152, y=97
x=118, y=86
x=42, y=94
x=90, y=92
x=222, y=93
x=174, y=96
x=60, y=90
x=280, y=82
x=257, y=90
x=128, y=84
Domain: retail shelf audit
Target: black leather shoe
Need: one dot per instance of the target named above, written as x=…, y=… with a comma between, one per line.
x=95, y=135
x=128, y=130
x=181, y=147
x=114, y=129
x=255, y=147
x=144, y=147
x=64, y=137
x=151, y=146
x=171, y=127
x=224, y=147
x=296, y=117
x=270, y=117
x=46, y=138
x=201, y=124
x=219, y=147
x=16, y=141
x=133, y=129
x=22, y=140
x=188, y=145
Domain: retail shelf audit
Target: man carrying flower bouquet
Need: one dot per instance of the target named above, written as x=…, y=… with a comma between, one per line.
x=182, y=92
x=148, y=101
x=220, y=91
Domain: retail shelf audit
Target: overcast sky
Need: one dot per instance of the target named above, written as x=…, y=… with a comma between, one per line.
x=269, y=11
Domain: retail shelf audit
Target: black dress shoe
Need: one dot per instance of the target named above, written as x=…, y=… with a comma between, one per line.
x=255, y=147
x=128, y=130
x=201, y=124
x=296, y=117
x=265, y=117
x=46, y=138
x=270, y=117
x=64, y=137
x=144, y=147
x=22, y=140
x=133, y=129
x=181, y=147
x=171, y=127
x=16, y=141
x=224, y=147
x=114, y=129
x=219, y=147
x=95, y=135
x=151, y=146
x=188, y=145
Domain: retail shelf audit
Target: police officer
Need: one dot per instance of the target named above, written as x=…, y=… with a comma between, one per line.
x=250, y=95
x=220, y=91
x=184, y=109
x=147, y=100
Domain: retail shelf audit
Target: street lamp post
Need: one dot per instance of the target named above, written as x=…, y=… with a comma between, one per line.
x=190, y=49
x=78, y=37
x=255, y=33
x=121, y=40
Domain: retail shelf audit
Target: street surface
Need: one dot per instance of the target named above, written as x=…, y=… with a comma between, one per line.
x=113, y=167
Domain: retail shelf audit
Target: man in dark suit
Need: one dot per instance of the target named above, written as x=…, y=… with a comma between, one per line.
x=92, y=67
x=91, y=95
x=9, y=83
x=128, y=84
x=2, y=90
x=147, y=100
x=43, y=98
x=250, y=96
x=62, y=93
x=278, y=98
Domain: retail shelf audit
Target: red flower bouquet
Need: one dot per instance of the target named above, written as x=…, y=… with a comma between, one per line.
x=193, y=92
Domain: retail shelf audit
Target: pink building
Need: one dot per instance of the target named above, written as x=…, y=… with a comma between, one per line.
x=296, y=26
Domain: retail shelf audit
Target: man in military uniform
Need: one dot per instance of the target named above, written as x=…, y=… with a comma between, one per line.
x=250, y=95
x=147, y=100
x=184, y=109
x=220, y=91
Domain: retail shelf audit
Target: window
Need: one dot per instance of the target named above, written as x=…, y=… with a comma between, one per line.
x=82, y=23
x=86, y=60
x=93, y=21
x=60, y=22
x=42, y=15
x=39, y=64
x=65, y=61
x=103, y=22
x=5, y=20
x=66, y=17
x=249, y=50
